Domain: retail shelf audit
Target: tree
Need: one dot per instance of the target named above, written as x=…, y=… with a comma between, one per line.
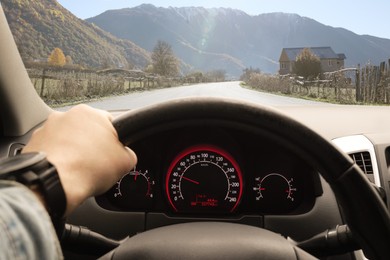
x=149, y=69
x=307, y=64
x=164, y=60
x=248, y=72
x=69, y=60
x=195, y=77
x=57, y=58
x=106, y=63
x=216, y=75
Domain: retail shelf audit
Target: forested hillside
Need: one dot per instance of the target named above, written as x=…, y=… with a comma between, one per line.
x=39, y=26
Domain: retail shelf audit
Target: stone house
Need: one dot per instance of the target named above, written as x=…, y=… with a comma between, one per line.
x=330, y=61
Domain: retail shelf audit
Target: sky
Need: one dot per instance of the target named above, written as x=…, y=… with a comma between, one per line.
x=359, y=16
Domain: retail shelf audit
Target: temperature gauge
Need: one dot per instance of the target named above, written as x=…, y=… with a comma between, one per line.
x=133, y=191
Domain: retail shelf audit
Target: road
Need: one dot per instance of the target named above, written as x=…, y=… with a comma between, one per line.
x=223, y=89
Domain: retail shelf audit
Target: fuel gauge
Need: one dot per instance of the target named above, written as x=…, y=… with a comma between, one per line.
x=275, y=193
x=275, y=185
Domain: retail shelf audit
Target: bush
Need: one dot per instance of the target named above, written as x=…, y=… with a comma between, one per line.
x=266, y=82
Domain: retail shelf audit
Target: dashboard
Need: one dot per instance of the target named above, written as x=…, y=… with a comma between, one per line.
x=212, y=172
x=277, y=189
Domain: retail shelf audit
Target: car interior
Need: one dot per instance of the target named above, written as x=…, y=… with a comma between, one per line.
x=285, y=182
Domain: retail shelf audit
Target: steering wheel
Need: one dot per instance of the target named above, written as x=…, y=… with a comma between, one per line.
x=362, y=208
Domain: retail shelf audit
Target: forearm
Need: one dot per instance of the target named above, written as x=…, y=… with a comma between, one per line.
x=26, y=230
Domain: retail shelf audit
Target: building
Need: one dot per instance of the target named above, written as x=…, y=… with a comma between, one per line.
x=330, y=61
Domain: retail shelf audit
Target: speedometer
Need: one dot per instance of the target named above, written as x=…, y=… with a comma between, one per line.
x=204, y=179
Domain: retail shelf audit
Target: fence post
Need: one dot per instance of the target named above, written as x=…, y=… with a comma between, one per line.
x=387, y=83
x=358, y=87
x=380, y=83
x=336, y=91
x=43, y=82
x=377, y=74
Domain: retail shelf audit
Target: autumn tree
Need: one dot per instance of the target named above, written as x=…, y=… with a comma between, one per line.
x=164, y=60
x=57, y=58
x=307, y=64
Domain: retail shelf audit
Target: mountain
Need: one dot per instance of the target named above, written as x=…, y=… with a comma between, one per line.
x=223, y=38
x=39, y=26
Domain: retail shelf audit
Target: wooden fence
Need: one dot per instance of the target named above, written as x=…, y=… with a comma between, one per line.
x=369, y=85
x=57, y=86
x=373, y=84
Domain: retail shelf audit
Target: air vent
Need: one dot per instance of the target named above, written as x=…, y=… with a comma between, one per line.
x=363, y=160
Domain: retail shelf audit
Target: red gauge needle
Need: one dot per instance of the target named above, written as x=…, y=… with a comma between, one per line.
x=135, y=177
x=190, y=180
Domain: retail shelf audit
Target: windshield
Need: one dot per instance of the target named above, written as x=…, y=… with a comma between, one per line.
x=123, y=54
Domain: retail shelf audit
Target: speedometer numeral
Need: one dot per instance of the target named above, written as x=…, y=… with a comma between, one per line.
x=235, y=184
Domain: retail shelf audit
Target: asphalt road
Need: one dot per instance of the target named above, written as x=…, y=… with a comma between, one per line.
x=223, y=89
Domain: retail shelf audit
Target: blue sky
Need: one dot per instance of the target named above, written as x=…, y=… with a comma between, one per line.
x=360, y=16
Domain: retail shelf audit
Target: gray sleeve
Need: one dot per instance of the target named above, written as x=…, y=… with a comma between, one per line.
x=26, y=231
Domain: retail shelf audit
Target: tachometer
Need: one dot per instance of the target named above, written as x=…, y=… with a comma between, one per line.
x=133, y=191
x=204, y=179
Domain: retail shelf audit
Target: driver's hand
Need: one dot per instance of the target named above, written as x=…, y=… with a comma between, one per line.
x=83, y=145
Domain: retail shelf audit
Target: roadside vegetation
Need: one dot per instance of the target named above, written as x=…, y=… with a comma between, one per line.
x=369, y=84
x=59, y=81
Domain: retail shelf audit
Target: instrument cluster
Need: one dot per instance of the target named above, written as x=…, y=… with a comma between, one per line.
x=223, y=174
